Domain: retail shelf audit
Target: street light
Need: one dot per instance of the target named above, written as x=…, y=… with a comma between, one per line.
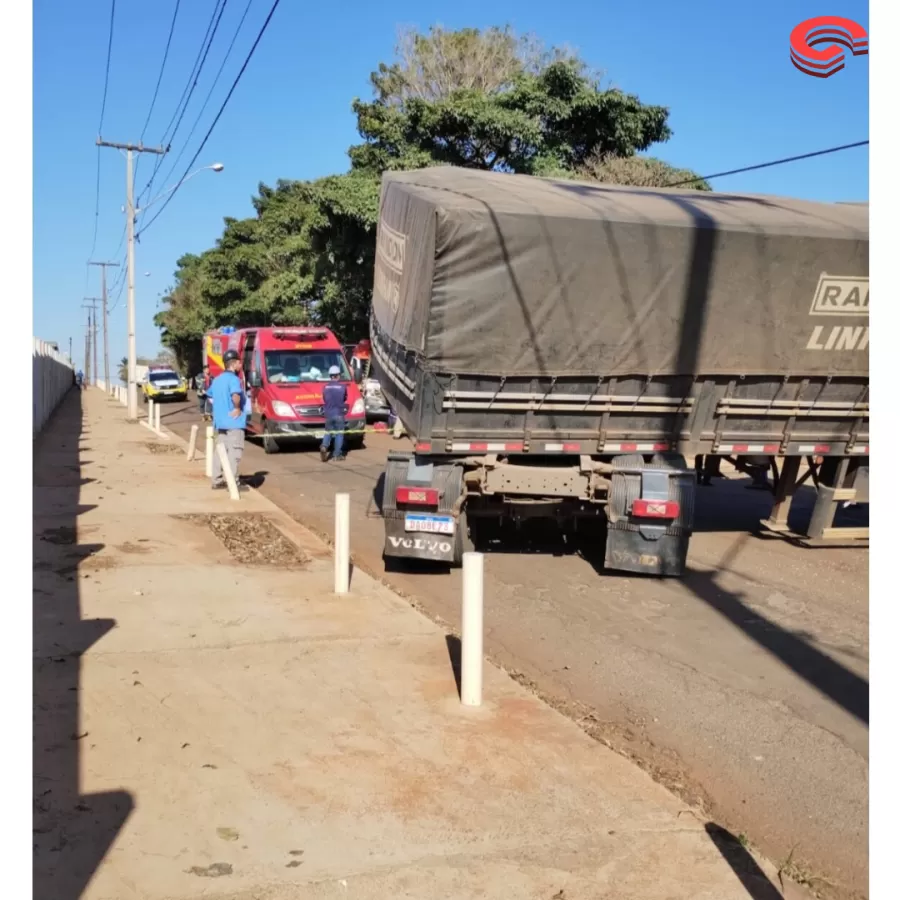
x=131, y=213
x=215, y=167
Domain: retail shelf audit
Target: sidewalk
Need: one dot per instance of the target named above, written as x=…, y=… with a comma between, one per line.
x=210, y=728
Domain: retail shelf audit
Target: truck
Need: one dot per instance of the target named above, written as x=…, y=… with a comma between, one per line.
x=284, y=369
x=558, y=350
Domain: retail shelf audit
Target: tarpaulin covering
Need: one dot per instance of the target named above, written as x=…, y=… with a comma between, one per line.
x=495, y=274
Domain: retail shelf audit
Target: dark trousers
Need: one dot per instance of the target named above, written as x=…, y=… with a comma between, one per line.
x=334, y=428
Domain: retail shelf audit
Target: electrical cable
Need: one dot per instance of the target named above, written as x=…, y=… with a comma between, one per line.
x=766, y=165
x=187, y=93
x=187, y=140
x=162, y=69
x=215, y=121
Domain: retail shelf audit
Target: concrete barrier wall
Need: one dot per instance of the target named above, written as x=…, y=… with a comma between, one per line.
x=52, y=378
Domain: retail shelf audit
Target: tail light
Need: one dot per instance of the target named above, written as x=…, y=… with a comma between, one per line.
x=418, y=496
x=656, y=509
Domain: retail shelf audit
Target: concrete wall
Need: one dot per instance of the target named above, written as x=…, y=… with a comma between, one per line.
x=51, y=379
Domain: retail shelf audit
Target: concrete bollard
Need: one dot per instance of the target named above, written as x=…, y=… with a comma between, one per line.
x=210, y=449
x=230, y=480
x=472, y=630
x=157, y=410
x=342, y=543
x=192, y=444
x=150, y=405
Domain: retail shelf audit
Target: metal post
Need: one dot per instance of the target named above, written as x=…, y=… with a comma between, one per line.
x=210, y=449
x=472, y=667
x=342, y=543
x=157, y=427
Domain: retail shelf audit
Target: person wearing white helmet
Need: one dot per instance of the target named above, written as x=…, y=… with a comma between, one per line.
x=334, y=403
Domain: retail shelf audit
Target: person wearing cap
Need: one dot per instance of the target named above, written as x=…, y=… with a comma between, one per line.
x=334, y=402
x=229, y=417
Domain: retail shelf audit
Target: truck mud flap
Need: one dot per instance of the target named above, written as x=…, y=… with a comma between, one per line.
x=406, y=469
x=650, y=515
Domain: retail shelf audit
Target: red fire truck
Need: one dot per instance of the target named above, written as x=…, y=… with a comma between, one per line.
x=284, y=371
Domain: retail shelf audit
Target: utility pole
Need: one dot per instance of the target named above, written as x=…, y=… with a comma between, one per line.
x=71, y=361
x=91, y=305
x=103, y=268
x=130, y=150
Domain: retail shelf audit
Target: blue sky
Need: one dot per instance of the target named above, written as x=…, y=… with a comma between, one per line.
x=722, y=69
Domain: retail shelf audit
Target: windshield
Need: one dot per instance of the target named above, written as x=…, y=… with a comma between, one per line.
x=164, y=376
x=304, y=365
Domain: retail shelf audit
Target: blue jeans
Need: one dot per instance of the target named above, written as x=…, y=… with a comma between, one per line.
x=334, y=424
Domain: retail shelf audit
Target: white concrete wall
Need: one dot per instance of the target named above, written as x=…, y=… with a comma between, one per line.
x=51, y=379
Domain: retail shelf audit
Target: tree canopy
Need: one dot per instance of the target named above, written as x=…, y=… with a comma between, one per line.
x=480, y=99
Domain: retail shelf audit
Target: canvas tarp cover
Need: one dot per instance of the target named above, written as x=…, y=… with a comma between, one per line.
x=487, y=273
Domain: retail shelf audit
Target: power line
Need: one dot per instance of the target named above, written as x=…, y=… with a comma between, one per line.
x=215, y=121
x=162, y=69
x=112, y=22
x=190, y=86
x=187, y=140
x=766, y=165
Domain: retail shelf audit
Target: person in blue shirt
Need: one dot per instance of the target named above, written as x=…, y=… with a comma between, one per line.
x=229, y=417
x=334, y=401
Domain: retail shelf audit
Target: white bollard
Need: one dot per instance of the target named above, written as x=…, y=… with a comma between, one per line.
x=192, y=444
x=210, y=442
x=230, y=480
x=472, y=630
x=342, y=543
x=156, y=423
x=150, y=405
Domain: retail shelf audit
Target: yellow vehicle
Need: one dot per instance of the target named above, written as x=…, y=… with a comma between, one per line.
x=164, y=383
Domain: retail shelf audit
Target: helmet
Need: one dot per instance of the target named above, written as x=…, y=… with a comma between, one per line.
x=230, y=356
x=334, y=370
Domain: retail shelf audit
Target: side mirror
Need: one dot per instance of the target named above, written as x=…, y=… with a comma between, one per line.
x=357, y=375
x=255, y=380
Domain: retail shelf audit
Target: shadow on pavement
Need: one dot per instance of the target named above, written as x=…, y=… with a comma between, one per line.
x=454, y=651
x=72, y=832
x=794, y=650
x=751, y=876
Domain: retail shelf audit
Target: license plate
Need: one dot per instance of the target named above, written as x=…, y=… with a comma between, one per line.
x=430, y=524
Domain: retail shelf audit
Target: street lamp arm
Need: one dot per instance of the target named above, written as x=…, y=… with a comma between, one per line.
x=216, y=167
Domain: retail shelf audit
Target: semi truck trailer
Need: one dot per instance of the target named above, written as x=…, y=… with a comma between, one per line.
x=559, y=350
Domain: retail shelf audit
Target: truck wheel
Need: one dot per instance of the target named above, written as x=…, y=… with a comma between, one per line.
x=269, y=441
x=462, y=540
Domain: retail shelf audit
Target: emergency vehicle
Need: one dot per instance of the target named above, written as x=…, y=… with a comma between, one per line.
x=361, y=367
x=284, y=369
x=164, y=383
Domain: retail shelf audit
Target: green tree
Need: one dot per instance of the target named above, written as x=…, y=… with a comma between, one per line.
x=487, y=99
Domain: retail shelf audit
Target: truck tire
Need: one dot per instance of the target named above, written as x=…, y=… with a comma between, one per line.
x=269, y=441
x=462, y=540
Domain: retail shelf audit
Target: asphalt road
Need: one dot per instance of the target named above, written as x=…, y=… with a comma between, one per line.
x=743, y=686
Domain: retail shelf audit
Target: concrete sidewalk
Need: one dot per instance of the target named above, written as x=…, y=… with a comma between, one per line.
x=212, y=726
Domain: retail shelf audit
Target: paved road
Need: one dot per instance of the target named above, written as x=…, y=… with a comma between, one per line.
x=743, y=686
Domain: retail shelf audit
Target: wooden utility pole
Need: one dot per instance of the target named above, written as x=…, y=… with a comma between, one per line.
x=91, y=305
x=129, y=150
x=103, y=301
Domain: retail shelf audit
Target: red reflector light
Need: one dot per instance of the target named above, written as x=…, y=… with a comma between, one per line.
x=418, y=496
x=656, y=509
x=423, y=447
x=822, y=448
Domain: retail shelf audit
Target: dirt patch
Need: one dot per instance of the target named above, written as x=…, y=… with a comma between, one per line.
x=62, y=535
x=163, y=448
x=252, y=540
x=131, y=547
